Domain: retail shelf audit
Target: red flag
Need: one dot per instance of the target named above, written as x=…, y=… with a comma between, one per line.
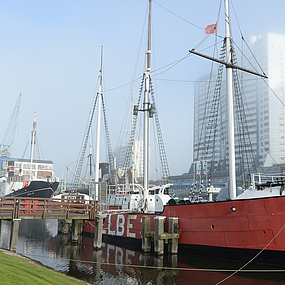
x=211, y=29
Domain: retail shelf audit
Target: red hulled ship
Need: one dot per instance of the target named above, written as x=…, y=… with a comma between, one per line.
x=246, y=226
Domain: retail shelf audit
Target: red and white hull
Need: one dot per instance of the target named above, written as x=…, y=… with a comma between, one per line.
x=240, y=227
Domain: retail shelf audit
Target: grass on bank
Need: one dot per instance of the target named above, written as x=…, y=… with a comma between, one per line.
x=18, y=270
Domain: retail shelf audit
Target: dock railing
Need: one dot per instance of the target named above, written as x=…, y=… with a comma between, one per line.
x=37, y=208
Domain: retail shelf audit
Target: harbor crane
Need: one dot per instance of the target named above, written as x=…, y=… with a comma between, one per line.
x=8, y=139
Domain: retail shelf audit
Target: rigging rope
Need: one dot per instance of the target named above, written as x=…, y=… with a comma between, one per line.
x=157, y=267
x=163, y=158
x=129, y=146
x=252, y=258
x=179, y=16
x=210, y=129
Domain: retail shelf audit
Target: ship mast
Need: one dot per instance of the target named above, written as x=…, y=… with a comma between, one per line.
x=229, y=63
x=146, y=106
x=90, y=153
x=230, y=108
x=32, y=145
x=98, y=130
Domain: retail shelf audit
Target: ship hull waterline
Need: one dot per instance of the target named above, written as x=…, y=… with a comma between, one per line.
x=236, y=229
x=36, y=189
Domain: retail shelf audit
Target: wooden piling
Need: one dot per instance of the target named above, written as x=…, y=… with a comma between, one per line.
x=74, y=231
x=172, y=260
x=158, y=262
x=173, y=229
x=63, y=226
x=145, y=259
x=159, y=222
x=98, y=233
x=80, y=226
x=73, y=251
x=97, y=265
x=14, y=234
x=60, y=226
x=146, y=234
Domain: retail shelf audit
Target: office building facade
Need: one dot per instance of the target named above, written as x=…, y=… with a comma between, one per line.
x=263, y=101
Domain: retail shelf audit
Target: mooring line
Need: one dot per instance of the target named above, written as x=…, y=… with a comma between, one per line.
x=252, y=258
x=166, y=268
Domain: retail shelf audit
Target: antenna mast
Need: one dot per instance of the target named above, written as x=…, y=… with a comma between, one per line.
x=33, y=145
x=147, y=104
x=98, y=130
x=230, y=108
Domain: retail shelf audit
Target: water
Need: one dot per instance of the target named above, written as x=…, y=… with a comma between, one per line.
x=115, y=264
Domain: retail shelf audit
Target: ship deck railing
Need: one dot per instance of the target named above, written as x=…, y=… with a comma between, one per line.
x=265, y=178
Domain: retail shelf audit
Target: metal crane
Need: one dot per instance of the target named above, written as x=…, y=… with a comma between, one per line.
x=8, y=139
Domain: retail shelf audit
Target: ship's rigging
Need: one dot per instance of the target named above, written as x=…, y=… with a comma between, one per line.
x=207, y=161
x=77, y=177
x=148, y=107
x=153, y=113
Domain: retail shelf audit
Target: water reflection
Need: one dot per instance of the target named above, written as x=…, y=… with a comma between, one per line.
x=114, y=264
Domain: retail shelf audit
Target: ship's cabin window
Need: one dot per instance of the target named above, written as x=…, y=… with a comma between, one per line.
x=151, y=192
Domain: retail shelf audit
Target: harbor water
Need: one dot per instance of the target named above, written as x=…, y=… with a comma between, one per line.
x=122, y=264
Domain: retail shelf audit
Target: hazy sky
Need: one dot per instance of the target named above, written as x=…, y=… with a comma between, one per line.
x=50, y=51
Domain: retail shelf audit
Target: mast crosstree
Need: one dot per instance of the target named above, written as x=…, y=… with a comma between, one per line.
x=245, y=162
x=149, y=110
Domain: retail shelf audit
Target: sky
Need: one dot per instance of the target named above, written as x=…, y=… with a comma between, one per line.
x=50, y=52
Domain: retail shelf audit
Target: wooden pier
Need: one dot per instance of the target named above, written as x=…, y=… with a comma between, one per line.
x=68, y=210
x=71, y=212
